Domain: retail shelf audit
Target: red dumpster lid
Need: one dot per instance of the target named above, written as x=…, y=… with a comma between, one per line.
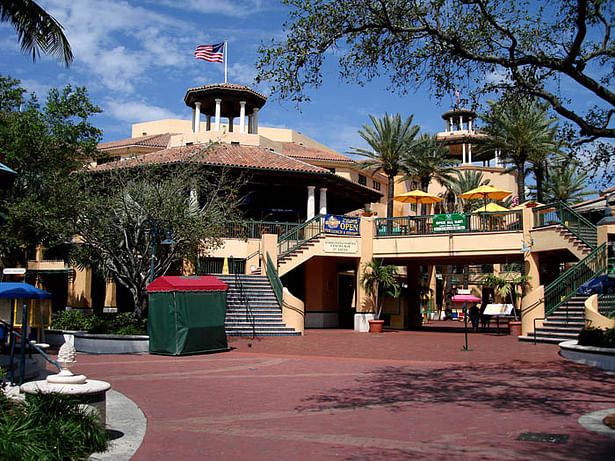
x=179, y=283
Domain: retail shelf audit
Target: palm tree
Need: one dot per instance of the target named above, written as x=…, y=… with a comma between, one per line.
x=36, y=29
x=567, y=183
x=521, y=129
x=389, y=139
x=465, y=181
x=378, y=280
x=428, y=159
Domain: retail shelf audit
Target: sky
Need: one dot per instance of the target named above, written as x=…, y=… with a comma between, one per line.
x=136, y=60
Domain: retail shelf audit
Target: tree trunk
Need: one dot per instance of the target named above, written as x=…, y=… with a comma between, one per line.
x=390, y=194
x=521, y=182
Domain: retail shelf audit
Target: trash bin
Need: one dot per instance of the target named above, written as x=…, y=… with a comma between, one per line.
x=186, y=315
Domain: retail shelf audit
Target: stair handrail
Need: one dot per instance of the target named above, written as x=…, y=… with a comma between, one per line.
x=15, y=332
x=301, y=234
x=561, y=213
x=274, y=280
x=566, y=285
x=243, y=298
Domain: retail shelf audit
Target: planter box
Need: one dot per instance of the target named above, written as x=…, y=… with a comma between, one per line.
x=101, y=344
x=599, y=357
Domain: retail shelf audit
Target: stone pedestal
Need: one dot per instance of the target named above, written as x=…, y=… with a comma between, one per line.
x=91, y=393
x=361, y=322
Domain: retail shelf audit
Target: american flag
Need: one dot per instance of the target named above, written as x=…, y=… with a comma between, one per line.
x=211, y=53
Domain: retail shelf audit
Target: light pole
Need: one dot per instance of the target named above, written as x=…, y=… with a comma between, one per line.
x=168, y=240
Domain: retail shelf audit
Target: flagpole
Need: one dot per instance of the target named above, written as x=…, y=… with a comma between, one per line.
x=225, y=61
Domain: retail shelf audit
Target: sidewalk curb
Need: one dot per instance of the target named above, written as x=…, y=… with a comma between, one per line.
x=123, y=415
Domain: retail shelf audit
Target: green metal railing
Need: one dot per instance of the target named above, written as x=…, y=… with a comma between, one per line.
x=255, y=229
x=566, y=285
x=561, y=214
x=274, y=279
x=606, y=305
x=475, y=222
x=300, y=234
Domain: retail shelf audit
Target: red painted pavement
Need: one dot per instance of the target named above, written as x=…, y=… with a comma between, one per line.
x=346, y=395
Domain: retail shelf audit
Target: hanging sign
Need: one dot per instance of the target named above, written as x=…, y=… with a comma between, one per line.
x=342, y=225
x=449, y=222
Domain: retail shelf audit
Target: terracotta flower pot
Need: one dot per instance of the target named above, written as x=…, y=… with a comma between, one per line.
x=514, y=328
x=375, y=326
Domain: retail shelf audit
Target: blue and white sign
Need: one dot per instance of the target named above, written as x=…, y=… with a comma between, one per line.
x=342, y=225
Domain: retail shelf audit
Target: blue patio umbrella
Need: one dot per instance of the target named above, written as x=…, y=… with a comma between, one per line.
x=25, y=291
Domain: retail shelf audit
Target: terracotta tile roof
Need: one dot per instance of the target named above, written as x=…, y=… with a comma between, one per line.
x=608, y=191
x=229, y=86
x=160, y=141
x=223, y=155
x=309, y=153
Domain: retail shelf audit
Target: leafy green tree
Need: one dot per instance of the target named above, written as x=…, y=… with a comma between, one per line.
x=389, y=138
x=474, y=45
x=567, y=182
x=522, y=131
x=125, y=213
x=36, y=29
x=428, y=159
x=463, y=182
x=379, y=280
x=45, y=145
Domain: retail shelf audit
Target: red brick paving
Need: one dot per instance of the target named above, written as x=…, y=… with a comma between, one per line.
x=341, y=394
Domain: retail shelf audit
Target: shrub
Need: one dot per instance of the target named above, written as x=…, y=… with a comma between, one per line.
x=50, y=427
x=121, y=324
x=597, y=337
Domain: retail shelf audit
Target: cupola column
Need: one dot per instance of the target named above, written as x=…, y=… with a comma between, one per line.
x=250, y=127
x=469, y=152
x=463, y=153
x=470, y=124
x=218, y=109
x=323, y=200
x=208, y=123
x=230, y=124
x=255, y=120
x=197, y=117
x=311, y=202
x=242, y=117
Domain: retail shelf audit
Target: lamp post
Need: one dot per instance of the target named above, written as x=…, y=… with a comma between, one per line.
x=168, y=240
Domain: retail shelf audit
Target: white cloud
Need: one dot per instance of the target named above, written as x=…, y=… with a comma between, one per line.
x=225, y=7
x=137, y=111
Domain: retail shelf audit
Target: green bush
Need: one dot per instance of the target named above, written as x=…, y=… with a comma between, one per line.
x=597, y=337
x=119, y=324
x=50, y=427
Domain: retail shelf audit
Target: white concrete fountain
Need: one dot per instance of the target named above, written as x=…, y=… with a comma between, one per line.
x=87, y=391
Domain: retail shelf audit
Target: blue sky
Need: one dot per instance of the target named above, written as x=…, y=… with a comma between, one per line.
x=136, y=60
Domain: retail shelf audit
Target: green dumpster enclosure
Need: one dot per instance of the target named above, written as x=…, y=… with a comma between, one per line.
x=186, y=315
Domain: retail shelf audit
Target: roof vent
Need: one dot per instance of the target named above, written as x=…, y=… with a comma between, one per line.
x=234, y=143
x=189, y=144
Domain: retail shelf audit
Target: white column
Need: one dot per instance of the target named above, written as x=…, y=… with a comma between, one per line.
x=311, y=203
x=469, y=153
x=217, y=122
x=470, y=124
x=242, y=117
x=197, y=117
x=461, y=122
x=255, y=121
x=451, y=124
x=193, y=117
x=463, y=153
x=323, y=200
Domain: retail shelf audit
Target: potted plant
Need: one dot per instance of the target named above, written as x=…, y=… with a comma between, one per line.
x=367, y=212
x=378, y=280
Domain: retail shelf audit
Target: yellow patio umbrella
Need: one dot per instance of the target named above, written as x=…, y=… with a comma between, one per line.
x=485, y=192
x=528, y=204
x=417, y=196
x=490, y=208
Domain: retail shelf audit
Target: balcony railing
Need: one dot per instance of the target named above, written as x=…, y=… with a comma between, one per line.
x=255, y=229
x=500, y=221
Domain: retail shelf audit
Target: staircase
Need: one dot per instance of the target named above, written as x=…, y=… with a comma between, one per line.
x=575, y=245
x=262, y=315
x=297, y=256
x=563, y=324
